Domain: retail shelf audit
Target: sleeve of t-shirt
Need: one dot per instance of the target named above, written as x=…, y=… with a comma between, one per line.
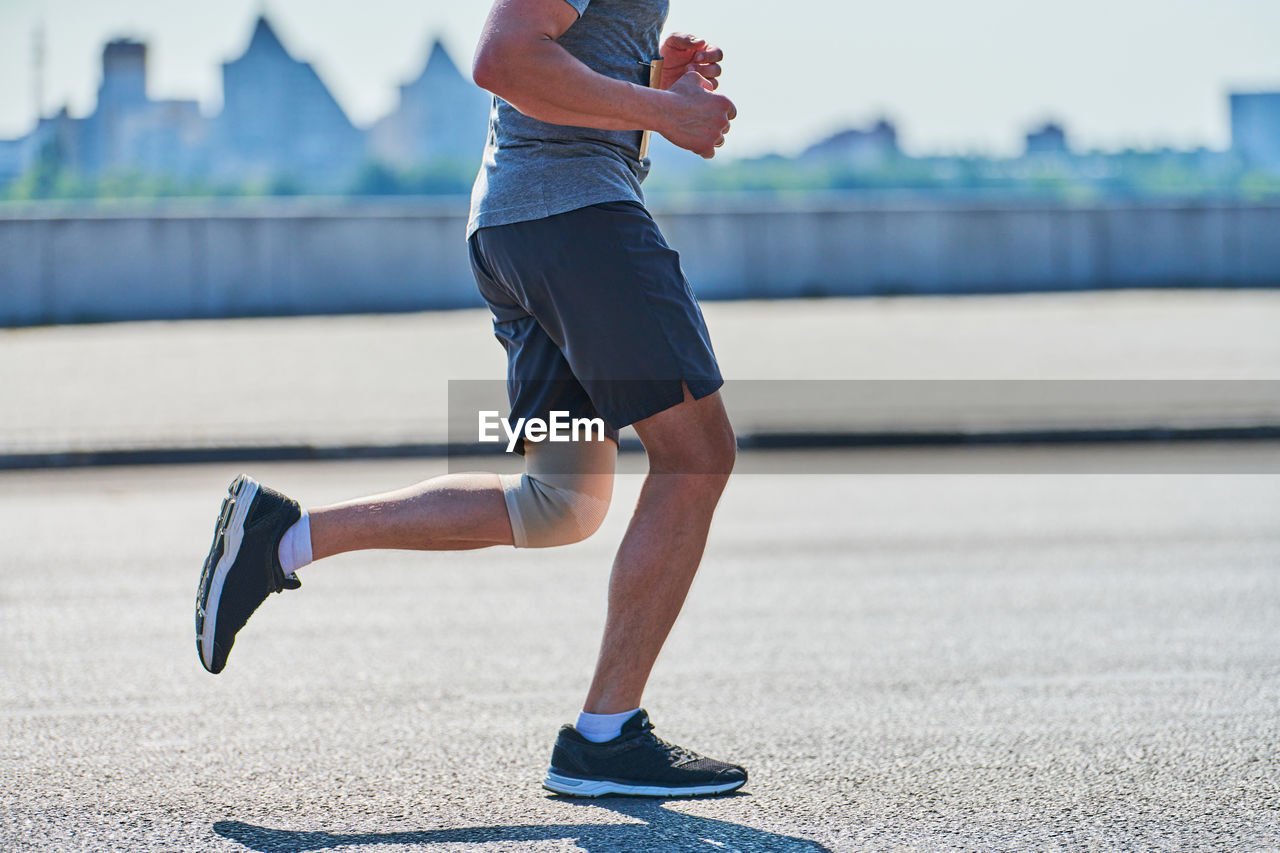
x=579, y=5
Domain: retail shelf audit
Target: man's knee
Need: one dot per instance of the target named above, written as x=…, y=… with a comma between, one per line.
x=711, y=452
x=564, y=495
x=723, y=452
x=545, y=515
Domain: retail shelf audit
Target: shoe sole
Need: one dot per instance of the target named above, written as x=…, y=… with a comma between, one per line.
x=575, y=787
x=227, y=538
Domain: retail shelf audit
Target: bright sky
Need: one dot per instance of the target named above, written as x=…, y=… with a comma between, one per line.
x=956, y=76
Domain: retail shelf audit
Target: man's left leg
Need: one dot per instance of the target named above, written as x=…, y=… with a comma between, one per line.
x=612, y=749
x=604, y=284
x=691, y=450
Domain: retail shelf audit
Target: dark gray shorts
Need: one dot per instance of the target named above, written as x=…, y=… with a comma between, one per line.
x=595, y=314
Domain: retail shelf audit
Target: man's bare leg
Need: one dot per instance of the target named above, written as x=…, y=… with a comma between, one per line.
x=691, y=451
x=453, y=512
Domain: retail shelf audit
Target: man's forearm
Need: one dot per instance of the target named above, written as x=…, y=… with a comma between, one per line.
x=543, y=80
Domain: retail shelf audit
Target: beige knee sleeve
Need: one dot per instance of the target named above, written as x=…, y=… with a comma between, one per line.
x=564, y=493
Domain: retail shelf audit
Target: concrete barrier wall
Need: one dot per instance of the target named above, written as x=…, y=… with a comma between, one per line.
x=60, y=265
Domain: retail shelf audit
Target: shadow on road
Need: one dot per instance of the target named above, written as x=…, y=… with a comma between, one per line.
x=662, y=829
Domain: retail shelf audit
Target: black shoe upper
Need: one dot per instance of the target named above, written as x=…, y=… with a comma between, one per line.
x=256, y=572
x=638, y=756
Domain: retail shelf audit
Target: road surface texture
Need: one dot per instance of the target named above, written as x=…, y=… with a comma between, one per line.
x=384, y=379
x=906, y=662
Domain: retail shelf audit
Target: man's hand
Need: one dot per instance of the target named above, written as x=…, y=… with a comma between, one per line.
x=695, y=119
x=520, y=61
x=682, y=53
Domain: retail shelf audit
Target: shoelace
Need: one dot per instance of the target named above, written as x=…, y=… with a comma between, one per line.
x=673, y=751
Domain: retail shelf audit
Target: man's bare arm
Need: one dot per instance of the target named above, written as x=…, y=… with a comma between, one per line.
x=519, y=60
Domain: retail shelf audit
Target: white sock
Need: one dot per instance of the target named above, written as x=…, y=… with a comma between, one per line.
x=599, y=728
x=295, y=545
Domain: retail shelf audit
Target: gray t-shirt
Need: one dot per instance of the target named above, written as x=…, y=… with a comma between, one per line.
x=533, y=169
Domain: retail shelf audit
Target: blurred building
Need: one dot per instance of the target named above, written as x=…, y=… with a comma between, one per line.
x=1048, y=139
x=129, y=132
x=281, y=129
x=126, y=132
x=280, y=122
x=13, y=162
x=169, y=138
x=1255, y=128
x=121, y=95
x=441, y=115
x=858, y=147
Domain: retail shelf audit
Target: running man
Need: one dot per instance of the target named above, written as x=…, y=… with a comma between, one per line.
x=598, y=321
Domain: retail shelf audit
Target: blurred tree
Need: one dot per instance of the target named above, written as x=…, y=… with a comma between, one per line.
x=440, y=177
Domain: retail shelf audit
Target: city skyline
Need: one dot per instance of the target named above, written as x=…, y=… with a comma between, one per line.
x=279, y=126
x=778, y=113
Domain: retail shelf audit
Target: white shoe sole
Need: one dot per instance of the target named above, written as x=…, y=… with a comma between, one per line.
x=232, y=537
x=604, y=787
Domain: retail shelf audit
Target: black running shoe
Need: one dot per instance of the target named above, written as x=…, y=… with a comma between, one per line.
x=636, y=763
x=243, y=566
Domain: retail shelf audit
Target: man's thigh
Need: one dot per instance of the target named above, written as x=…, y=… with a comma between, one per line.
x=609, y=292
x=692, y=437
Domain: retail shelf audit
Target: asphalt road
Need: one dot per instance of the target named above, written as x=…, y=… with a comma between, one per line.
x=905, y=662
x=379, y=380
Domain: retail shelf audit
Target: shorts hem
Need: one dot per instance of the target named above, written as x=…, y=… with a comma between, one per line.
x=698, y=388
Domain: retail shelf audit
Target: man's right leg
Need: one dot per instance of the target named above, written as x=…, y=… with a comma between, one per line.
x=453, y=512
x=262, y=536
x=562, y=498
x=245, y=565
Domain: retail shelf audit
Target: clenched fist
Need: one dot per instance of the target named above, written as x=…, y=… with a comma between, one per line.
x=696, y=119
